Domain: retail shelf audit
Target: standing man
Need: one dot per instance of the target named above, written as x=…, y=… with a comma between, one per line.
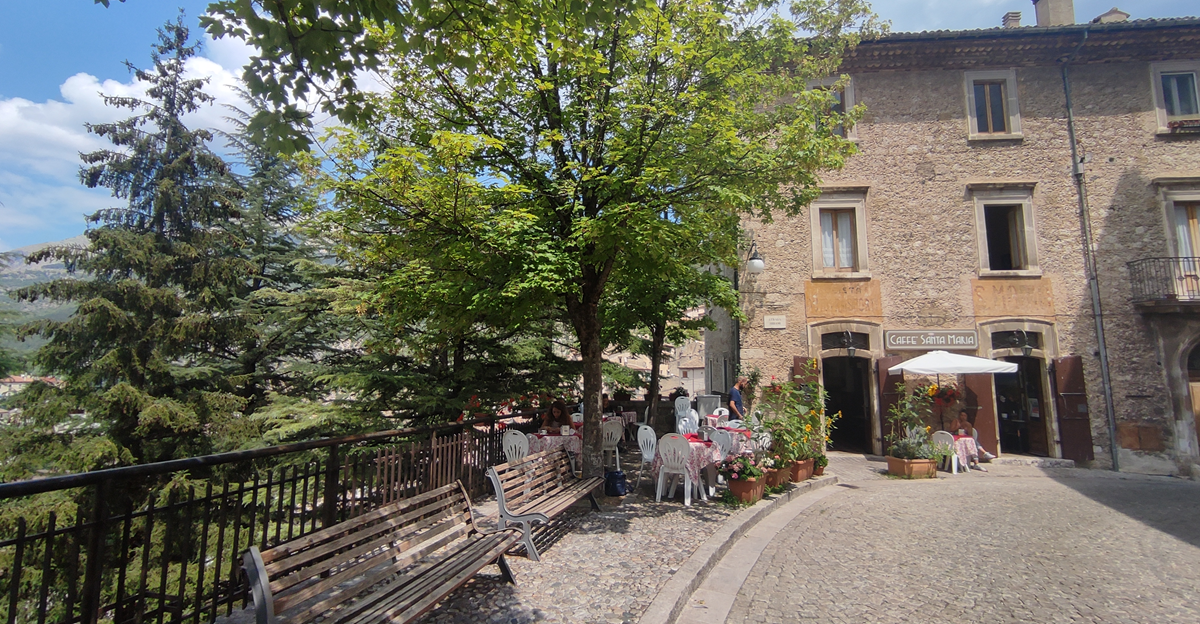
x=736, y=411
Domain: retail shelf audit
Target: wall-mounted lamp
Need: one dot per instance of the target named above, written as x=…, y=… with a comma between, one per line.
x=755, y=263
x=1026, y=348
x=850, y=344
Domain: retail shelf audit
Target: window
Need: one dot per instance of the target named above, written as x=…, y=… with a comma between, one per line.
x=992, y=111
x=1187, y=229
x=838, y=221
x=1005, y=244
x=837, y=240
x=845, y=339
x=1176, y=98
x=685, y=373
x=1004, y=217
x=843, y=97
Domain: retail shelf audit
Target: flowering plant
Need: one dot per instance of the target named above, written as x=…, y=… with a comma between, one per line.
x=943, y=395
x=795, y=415
x=737, y=467
x=771, y=461
x=909, y=437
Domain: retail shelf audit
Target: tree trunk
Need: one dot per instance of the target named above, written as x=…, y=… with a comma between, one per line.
x=656, y=348
x=593, y=381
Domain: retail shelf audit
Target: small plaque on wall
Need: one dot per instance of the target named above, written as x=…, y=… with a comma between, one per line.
x=775, y=321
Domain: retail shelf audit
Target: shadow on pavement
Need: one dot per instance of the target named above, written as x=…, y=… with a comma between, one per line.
x=1168, y=504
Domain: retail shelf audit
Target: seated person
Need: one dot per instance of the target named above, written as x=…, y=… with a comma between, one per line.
x=962, y=426
x=557, y=416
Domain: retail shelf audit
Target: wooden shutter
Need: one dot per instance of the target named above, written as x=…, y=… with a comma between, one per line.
x=981, y=408
x=890, y=387
x=1070, y=399
x=801, y=375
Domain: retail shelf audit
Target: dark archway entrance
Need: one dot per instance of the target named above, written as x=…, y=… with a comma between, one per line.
x=1021, y=408
x=1193, y=373
x=848, y=390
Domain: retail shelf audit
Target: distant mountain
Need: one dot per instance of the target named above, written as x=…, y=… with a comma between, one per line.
x=17, y=274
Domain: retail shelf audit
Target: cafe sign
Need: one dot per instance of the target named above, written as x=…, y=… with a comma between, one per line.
x=928, y=340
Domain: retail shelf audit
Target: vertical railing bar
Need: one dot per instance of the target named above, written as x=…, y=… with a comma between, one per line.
x=14, y=586
x=304, y=498
x=123, y=562
x=237, y=539
x=92, y=581
x=148, y=535
x=198, y=606
x=266, y=517
x=73, y=566
x=291, y=515
x=187, y=535
x=47, y=569
x=164, y=555
x=329, y=505
x=220, y=553
x=279, y=508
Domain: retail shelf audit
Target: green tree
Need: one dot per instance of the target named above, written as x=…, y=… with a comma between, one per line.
x=591, y=131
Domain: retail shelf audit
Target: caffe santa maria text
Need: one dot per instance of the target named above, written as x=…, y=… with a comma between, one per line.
x=927, y=340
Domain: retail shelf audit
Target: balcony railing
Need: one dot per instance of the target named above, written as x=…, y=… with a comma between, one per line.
x=1165, y=280
x=162, y=542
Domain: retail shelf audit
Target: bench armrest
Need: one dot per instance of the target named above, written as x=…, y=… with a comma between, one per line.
x=260, y=586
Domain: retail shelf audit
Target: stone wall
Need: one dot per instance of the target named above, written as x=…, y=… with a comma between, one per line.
x=919, y=166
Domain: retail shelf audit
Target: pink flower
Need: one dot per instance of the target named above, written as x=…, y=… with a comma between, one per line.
x=735, y=475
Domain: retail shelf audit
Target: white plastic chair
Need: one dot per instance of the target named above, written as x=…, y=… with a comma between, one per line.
x=577, y=417
x=951, y=460
x=735, y=424
x=722, y=415
x=687, y=424
x=516, y=445
x=613, y=430
x=723, y=440
x=647, y=442
x=682, y=406
x=761, y=441
x=673, y=450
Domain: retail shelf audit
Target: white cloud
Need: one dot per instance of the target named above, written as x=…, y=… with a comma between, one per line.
x=40, y=196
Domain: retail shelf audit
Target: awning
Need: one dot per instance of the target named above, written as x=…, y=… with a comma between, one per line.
x=946, y=363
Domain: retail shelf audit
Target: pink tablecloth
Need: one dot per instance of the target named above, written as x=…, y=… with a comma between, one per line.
x=701, y=456
x=539, y=443
x=966, y=449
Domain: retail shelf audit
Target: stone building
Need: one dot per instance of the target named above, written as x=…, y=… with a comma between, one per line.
x=966, y=222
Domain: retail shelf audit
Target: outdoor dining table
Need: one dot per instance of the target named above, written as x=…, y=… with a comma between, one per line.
x=702, y=455
x=741, y=440
x=966, y=448
x=551, y=441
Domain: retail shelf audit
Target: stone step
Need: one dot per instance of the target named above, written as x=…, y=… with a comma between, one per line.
x=1040, y=462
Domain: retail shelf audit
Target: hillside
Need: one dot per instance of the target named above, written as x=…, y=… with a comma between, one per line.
x=18, y=274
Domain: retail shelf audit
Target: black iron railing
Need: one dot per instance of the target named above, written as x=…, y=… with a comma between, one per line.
x=162, y=542
x=1165, y=279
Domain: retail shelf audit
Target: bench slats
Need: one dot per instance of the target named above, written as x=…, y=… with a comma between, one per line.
x=389, y=565
x=537, y=488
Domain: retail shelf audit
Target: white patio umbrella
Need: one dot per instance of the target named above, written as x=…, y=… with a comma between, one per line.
x=946, y=363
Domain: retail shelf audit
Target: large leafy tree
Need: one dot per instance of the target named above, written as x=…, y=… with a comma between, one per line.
x=593, y=131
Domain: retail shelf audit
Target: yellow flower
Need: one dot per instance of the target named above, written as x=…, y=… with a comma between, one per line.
x=808, y=427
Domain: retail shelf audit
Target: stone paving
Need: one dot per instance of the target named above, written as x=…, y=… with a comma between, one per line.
x=1015, y=544
x=605, y=566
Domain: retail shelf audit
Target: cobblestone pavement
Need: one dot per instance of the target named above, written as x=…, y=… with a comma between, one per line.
x=605, y=566
x=1017, y=544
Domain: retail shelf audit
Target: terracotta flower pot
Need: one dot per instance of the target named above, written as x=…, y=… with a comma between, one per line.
x=913, y=468
x=818, y=470
x=747, y=490
x=802, y=470
x=777, y=477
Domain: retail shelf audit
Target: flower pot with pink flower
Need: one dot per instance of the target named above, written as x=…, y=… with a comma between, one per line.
x=744, y=476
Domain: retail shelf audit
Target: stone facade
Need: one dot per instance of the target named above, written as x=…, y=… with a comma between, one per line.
x=922, y=189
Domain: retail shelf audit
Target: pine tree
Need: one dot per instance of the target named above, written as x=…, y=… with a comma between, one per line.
x=157, y=283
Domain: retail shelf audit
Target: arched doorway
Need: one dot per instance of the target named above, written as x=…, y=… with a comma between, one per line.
x=847, y=383
x=1193, y=373
x=1021, y=408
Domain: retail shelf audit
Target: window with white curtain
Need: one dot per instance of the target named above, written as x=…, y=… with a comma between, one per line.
x=1176, y=94
x=838, y=240
x=839, y=234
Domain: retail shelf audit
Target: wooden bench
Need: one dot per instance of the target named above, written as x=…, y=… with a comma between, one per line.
x=537, y=488
x=398, y=561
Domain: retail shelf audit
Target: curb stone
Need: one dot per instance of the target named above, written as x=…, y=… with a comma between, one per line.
x=674, y=595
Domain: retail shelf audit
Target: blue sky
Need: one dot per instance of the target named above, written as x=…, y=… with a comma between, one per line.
x=57, y=55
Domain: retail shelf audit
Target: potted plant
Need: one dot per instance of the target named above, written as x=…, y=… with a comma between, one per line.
x=744, y=476
x=910, y=452
x=819, y=463
x=794, y=415
x=777, y=471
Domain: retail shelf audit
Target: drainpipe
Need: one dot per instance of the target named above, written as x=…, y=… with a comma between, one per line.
x=1089, y=254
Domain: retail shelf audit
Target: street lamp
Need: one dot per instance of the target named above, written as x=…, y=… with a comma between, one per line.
x=755, y=264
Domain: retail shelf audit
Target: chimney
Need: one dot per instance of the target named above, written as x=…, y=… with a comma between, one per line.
x=1054, y=12
x=1012, y=19
x=1112, y=15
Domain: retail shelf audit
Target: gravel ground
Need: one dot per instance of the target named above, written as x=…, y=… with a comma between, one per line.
x=604, y=566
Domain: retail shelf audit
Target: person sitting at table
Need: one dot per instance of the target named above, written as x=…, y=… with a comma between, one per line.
x=963, y=426
x=557, y=416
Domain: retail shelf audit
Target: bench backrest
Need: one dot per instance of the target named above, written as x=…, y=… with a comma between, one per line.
x=534, y=477
x=354, y=555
